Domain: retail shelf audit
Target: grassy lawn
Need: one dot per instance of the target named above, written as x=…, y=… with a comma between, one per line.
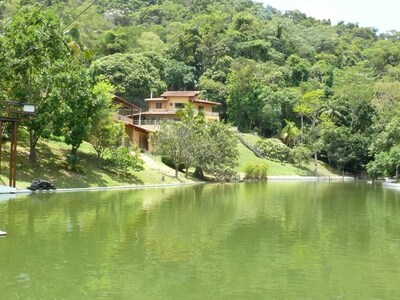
x=276, y=168
x=51, y=165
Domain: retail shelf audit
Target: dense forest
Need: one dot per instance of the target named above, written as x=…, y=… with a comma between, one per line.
x=328, y=91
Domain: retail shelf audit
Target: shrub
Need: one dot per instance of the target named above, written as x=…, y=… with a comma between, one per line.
x=256, y=171
x=123, y=159
x=300, y=154
x=262, y=170
x=274, y=150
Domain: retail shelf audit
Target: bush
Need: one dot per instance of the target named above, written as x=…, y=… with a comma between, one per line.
x=300, y=154
x=123, y=159
x=256, y=171
x=274, y=150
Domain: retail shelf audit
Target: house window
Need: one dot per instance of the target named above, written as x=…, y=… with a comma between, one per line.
x=179, y=105
x=158, y=105
x=201, y=108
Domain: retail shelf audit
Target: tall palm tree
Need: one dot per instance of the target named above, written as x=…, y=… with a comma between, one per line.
x=334, y=111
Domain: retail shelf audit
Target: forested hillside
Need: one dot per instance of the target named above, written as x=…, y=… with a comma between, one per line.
x=332, y=90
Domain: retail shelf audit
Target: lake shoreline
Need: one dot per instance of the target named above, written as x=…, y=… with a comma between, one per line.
x=9, y=190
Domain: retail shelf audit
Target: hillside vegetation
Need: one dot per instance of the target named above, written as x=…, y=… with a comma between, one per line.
x=51, y=165
x=330, y=90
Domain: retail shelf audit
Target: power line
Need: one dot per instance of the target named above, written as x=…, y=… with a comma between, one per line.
x=3, y=4
x=8, y=21
x=32, y=48
x=76, y=6
x=90, y=5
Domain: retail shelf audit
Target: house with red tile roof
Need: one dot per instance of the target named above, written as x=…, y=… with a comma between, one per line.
x=140, y=124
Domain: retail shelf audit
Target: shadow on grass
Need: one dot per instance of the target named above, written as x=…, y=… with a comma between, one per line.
x=305, y=171
x=51, y=165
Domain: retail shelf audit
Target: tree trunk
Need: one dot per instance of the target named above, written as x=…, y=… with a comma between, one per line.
x=397, y=172
x=198, y=173
x=33, y=139
x=316, y=163
x=302, y=128
x=74, y=150
x=186, y=171
x=176, y=170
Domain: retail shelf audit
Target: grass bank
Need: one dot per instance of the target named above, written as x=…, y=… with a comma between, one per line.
x=51, y=165
x=276, y=168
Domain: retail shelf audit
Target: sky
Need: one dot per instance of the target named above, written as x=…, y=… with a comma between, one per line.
x=383, y=15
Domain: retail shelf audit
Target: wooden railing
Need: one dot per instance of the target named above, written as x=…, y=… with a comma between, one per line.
x=256, y=150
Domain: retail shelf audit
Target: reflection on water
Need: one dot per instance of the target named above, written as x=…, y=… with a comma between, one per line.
x=232, y=241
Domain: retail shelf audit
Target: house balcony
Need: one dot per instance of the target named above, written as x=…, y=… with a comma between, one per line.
x=173, y=111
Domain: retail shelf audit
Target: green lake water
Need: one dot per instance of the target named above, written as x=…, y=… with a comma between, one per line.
x=268, y=240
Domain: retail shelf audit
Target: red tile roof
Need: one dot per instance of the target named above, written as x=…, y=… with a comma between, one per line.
x=156, y=99
x=180, y=94
x=206, y=101
x=125, y=103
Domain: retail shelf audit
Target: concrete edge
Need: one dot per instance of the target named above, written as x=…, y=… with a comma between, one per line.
x=109, y=188
x=391, y=185
x=8, y=190
x=311, y=178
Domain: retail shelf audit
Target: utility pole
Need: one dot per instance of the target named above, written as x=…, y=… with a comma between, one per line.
x=14, y=113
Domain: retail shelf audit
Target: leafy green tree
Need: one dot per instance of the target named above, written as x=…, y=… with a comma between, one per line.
x=79, y=105
x=210, y=147
x=113, y=42
x=108, y=134
x=133, y=75
x=385, y=163
x=279, y=107
x=300, y=69
x=34, y=48
x=193, y=123
x=290, y=134
x=386, y=104
x=178, y=76
x=310, y=106
x=382, y=54
x=334, y=110
x=245, y=95
x=169, y=141
x=345, y=149
x=353, y=86
x=149, y=41
x=123, y=159
x=219, y=153
x=104, y=132
x=187, y=48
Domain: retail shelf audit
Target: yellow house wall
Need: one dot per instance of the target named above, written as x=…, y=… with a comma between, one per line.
x=173, y=100
x=153, y=105
x=207, y=107
x=130, y=134
x=137, y=138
